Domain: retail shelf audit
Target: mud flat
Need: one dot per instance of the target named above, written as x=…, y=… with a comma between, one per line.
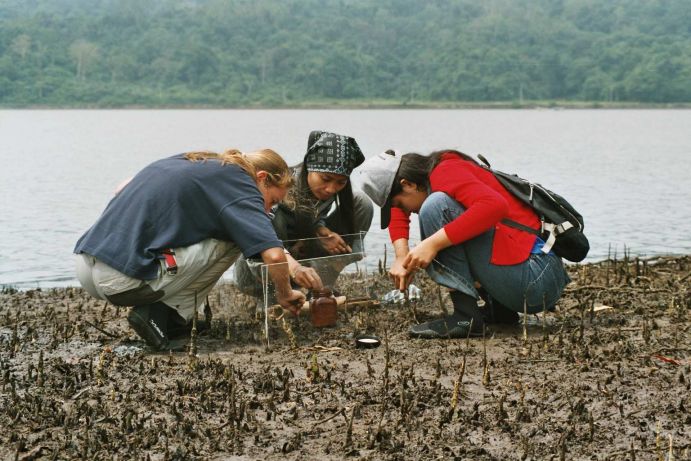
x=606, y=376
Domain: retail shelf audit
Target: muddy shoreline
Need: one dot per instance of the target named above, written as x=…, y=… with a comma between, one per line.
x=606, y=376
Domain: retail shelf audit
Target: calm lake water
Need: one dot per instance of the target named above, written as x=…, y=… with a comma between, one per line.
x=626, y=170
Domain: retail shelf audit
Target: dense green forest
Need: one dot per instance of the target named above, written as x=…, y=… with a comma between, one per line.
x=246, y=53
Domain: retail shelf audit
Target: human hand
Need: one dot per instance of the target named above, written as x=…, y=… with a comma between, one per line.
x=400, y=276
x=307, y=277
x=420, y=256
x=334, y=243
x=298, y=250
x=292, y=300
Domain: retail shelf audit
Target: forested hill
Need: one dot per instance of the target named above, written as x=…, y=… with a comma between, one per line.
x=111, y=53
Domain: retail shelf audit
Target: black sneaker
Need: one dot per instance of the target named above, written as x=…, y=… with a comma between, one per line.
x=446, y=328
x=150, y=322
x=179, y=329
x=497, y=313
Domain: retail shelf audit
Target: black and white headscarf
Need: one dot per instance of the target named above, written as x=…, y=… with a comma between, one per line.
x=332, y=153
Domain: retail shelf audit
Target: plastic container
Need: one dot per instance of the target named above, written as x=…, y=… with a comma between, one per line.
x=323, y=308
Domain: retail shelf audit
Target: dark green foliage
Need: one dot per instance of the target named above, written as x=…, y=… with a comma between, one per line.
x=291, y=52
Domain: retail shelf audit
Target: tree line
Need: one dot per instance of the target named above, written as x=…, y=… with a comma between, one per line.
x=243, y=53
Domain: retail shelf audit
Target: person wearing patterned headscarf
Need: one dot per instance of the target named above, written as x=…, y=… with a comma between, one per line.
x=322, y=205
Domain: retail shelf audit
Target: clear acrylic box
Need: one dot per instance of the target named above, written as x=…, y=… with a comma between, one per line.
x=345, y=274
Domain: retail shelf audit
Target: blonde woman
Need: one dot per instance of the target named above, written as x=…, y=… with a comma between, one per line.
x=169, y=234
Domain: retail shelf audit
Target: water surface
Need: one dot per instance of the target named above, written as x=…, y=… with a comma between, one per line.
x=626, y=170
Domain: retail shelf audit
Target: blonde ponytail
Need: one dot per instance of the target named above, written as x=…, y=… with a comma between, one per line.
x=261, y=160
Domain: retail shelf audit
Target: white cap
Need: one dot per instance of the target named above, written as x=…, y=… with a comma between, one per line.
x=376, y=176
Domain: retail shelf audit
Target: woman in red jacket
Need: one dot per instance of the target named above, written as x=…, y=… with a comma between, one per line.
x=464, y=246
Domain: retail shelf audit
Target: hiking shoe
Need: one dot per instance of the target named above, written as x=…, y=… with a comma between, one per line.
x=178, y=327
x=176, y=331
x=497, y=313
x=446, y=328
x=150, y=322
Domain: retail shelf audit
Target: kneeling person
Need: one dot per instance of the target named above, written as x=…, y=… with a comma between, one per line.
x=465, y=241
x=171, y=232
x=323, y=213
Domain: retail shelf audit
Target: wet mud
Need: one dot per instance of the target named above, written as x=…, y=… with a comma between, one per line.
x=606, y=376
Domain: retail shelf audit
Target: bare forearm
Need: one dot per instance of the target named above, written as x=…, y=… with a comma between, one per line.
x=278, y=268
x=438, y=241
x=400, y=248
x=292, y=264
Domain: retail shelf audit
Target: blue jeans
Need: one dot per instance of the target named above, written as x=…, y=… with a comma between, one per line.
x=538, y=281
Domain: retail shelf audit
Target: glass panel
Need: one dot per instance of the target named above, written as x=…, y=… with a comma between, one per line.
x=344, y=274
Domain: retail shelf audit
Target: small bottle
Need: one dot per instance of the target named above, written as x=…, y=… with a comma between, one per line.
x=323, y=308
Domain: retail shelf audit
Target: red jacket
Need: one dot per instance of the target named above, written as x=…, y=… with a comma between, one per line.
x=486, y=203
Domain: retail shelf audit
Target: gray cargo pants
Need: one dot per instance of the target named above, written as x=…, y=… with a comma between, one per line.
x=199, y=268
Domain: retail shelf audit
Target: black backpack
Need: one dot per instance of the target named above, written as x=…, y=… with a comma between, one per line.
x=562, y=225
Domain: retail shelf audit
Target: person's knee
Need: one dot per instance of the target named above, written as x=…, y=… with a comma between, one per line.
x=439, y=207
x=247, y=281
x=136, y=296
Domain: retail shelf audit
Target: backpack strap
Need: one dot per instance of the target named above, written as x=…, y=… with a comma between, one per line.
x=519, y=226
x=552, y=230
x=551, y=238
